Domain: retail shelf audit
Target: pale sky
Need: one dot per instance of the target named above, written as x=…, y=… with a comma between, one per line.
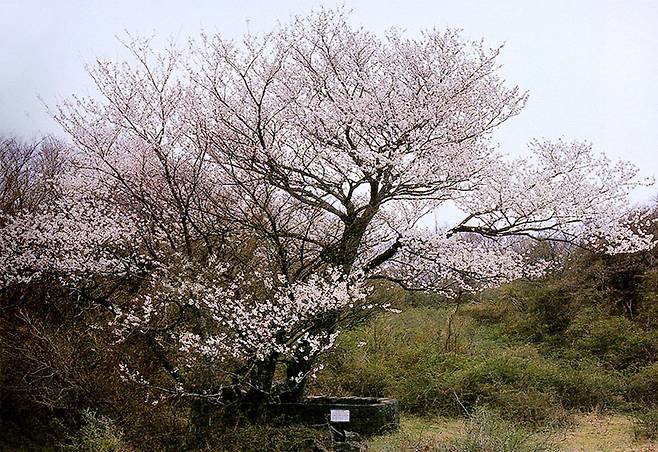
x=591, y=66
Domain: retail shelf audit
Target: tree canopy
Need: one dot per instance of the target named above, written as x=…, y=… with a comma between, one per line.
x=231, y=203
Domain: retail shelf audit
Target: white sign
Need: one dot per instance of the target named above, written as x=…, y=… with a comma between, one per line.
x=340, y=415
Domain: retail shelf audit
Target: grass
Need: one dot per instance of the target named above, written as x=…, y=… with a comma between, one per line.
x=438, y=363
x=589, y=432
x=605, y=433
x=541, y=372
x=418, y=433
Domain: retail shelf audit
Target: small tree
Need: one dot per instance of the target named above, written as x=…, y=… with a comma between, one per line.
x=231, y=204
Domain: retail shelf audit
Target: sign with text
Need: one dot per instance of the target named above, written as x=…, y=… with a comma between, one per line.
x=339, y=416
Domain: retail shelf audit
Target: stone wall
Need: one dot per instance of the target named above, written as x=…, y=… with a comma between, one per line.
x=367, y=415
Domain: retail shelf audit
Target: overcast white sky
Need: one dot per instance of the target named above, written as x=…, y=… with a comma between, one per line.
x=591, y=66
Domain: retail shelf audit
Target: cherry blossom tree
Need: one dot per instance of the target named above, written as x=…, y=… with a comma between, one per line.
x=233, y=203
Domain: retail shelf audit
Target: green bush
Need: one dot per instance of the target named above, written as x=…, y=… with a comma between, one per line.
x=648, y=309
x=615, y=341
x=530, y=407
x=643, y=385
x=97, y=434
x=492, y=311
x=646, y=425
x=534, y=389
x=544, y=312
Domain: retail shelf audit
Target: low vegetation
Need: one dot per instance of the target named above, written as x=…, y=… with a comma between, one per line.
x=569, y=362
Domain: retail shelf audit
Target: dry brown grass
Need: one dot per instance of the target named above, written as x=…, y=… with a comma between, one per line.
x=589, y=432
x=418, y=434
x=604, y=433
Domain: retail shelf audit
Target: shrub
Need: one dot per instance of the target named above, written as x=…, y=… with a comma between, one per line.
x=538, y=312
x=643, y=385
x=648, y=310
x=646, y=425
x=492, y=311
x=614, y=340
x=530, y=407
x=97, y=434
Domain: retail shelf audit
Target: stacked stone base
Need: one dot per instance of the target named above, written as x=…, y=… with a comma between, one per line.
x=367, y=415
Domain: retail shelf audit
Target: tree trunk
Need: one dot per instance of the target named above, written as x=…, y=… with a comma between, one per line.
x=295, y=387
x=344, y=252
x=255, y=400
